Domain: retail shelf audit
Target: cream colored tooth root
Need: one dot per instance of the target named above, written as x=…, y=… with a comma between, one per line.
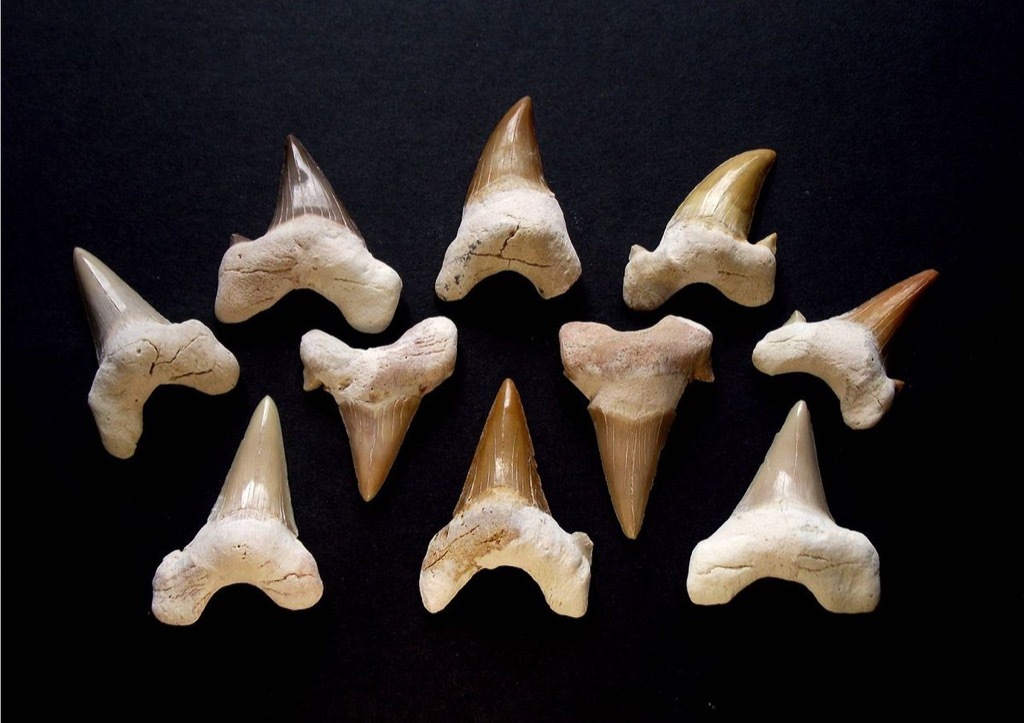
x=846, y=351
x=312, y=243
x=706, y=242
x=634, y=381
x=379, y=390
x=511, y=220
x=502, y=518
x=138, y=350
x=782, y=528
x=250, y=536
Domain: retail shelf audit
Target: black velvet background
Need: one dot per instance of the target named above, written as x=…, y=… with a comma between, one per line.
x=148, y=133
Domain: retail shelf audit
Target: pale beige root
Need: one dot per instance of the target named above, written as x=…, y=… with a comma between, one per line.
x=250, y=536
x=782, y=528
x=312, y=243
x=511, y=220
x=847, y=351
x=138, y=350
x=378, y=390
x=634, y=381
x=502, y=519
x=706, y=242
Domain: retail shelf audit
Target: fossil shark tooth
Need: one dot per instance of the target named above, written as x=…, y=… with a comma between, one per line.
x=312, y=243
x=138, y=350
x=502, y=518
x=783, y=528
x=847, y=351
x=511, y=220
x=634, y=381
x=250, y=536
x=379, y=390
x=706, y=241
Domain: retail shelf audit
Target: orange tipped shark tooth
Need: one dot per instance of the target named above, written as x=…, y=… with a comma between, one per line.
x=511, y=158
x=884, y=313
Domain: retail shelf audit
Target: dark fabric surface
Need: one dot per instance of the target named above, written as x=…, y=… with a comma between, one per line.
x=148, y=133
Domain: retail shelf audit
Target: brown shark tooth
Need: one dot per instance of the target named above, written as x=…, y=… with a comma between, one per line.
x=634, y=381
x=139, y=350
x=378, y=390
x=502, y=518
x=312, y=243
x=783, y=528
x=250, y=536
x=511, y=220
x=706, y=241
x=847, y=351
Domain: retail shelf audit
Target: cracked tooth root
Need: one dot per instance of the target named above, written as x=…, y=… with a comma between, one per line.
x=138, y=350
x=847, y=351
x=250, y=536
x=502, y=518
x=706, y=241
x=312, y=243
x=511, y=220
x=634, y=381
x=782, y=528
x=379, y=390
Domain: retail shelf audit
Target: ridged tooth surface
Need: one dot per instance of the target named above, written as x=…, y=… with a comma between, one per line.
x=250, y=536
x=312, y=243
x=706, y=241
x=634, y=381
x=378, y=390
x=502, y=518
x=511, y=220
x=138, y=350
x=846, y=351
x=782, y=528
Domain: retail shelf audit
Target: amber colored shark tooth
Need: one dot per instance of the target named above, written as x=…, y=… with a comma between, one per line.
x=250, y=536
x=312, y=243
x=706, y=242
x=847, y=351
x=379, y=390
x=783, y=528
x=511, y=220
x=138, y=350
x=502, y=518
x=634, y=381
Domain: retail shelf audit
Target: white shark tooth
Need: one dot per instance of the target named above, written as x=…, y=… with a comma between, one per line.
x=782, y=528
x=379, y=390
x=706, y=242
x=847, y=351
x=511, y=220
x=312, y=243
x=250, y=536
x=138, y=350
x=502, y=518
x=634, y=381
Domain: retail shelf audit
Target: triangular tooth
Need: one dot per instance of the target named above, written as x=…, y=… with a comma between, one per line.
x=504, y=458
x=305, y=189
x=375, y=433
x=795, y=318
x=258, y=478
x=511, y=157
x=109, y=301
x=726, y=198
x=884, y=313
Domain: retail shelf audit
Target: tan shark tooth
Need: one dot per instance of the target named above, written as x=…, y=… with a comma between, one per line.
x=846, y=351
x=634, y=381
x=783, y=528
x=312, y=243
x=379, y=390
x=511, y=220
x=250, y=536
x=138, y=350
x=706, y=241
x=502, y=518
